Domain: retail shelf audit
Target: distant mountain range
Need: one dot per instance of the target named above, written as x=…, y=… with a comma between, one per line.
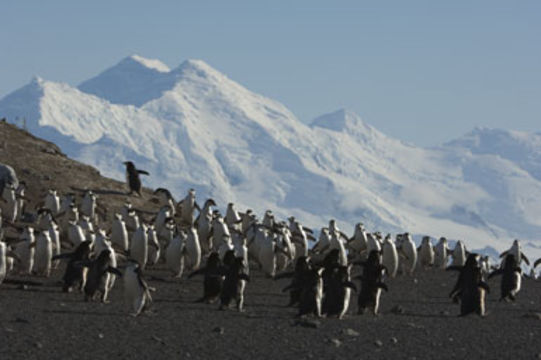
x=194, y=127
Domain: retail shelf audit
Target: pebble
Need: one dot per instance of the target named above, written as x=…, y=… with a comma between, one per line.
x=100, y=335
x=394, y=340
x=220, y=330
x=351, y=332
x=378, y=343
x=336, y=342
x=38, y=345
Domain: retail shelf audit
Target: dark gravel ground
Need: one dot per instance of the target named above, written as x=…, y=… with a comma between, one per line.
x=41, y=322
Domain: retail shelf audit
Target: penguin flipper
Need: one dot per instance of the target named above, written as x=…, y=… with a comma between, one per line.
x=114, y=270
x=537, y=262
x=504, y=253
x=143, y=172
x=523, y=257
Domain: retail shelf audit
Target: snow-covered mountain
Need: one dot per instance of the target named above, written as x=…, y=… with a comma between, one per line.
x=194, y=127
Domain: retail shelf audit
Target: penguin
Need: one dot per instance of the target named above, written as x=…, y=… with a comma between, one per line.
x=268, y=219
x=459, y=254
x=54, y=234
x=511, y=278
x=516, y=251
x=166, y=199
x=408, y=253
x=336, y=243
x=426, y=253
x=136, y=290
x=52, y=201
x=441, y=254
x=187, y=209
x=66, y=202
x=153, y=246
x=219, y=231
x=102, y=243
x=389, y=256
x=66, y=217
x=337, y=291
x=163, y=215
x=25, y=250
x=371, y=283
x=302, y=266
x=234, y=285
x=470, y=287
x=76, y=234
x=357, y=244
x=267, y=253
x=484, y=262
x=299, y=239
x=323, y=243
x=97, y=279
x=214, y=277
x=119, y=233
x=139, y=246
x=85, y=223
x=232, y=217
x=20, y=195
x=75, y=274
x=311, y=293
x=130, y=217
x=132, y=178
x=372, y=243
x=192, y=249
x=174, y=258
x=43, y=254
x=5, y=253
x=204, y=226
x=89, y=205
x=9, y=204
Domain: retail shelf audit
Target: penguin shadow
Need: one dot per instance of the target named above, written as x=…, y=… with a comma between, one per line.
x=422, y=315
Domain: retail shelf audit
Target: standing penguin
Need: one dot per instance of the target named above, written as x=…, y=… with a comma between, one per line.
x=136, y=290
x=153, y=246
x=338, y=292
x=311, y=293
x=371, y=283
x=132, y=178
x=516, y=251
x=408, y=253
x=97, y=276
x=459, y=254
x=426, y=253
x=214, y=277
x=8, y=203
x=52, y=202
x=187, y=209
x=441, y=254
x=390, y=256
x=119, y=233
x=174, y=258
x=75, y=274
x=4, y=254
x=234, y=284
x=511, y=278
x=139, y=246
x=25, y=250
x=192, y=250
x=204, y=226
x=358, y=243
x=302, y=265
x=43, y=254
x=470, y=287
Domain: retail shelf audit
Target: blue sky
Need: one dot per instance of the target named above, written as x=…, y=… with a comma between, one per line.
x=421, y=71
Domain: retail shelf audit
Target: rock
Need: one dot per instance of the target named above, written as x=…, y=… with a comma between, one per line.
x=394, y=340
x=397, y=309
x=38, y=345
x=378, y=343
x=158, y=339
x=100, y=335
x=351, y=332
x=336, y=342
x=415, y=281
x=220, y=330
x=23, y=287
x=444, y=313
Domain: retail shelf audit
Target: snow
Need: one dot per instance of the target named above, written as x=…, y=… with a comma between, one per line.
x=192, y=126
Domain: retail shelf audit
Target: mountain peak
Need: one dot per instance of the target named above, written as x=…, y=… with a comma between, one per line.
x=340, y=120
x=153, y=64
x=199, y=68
